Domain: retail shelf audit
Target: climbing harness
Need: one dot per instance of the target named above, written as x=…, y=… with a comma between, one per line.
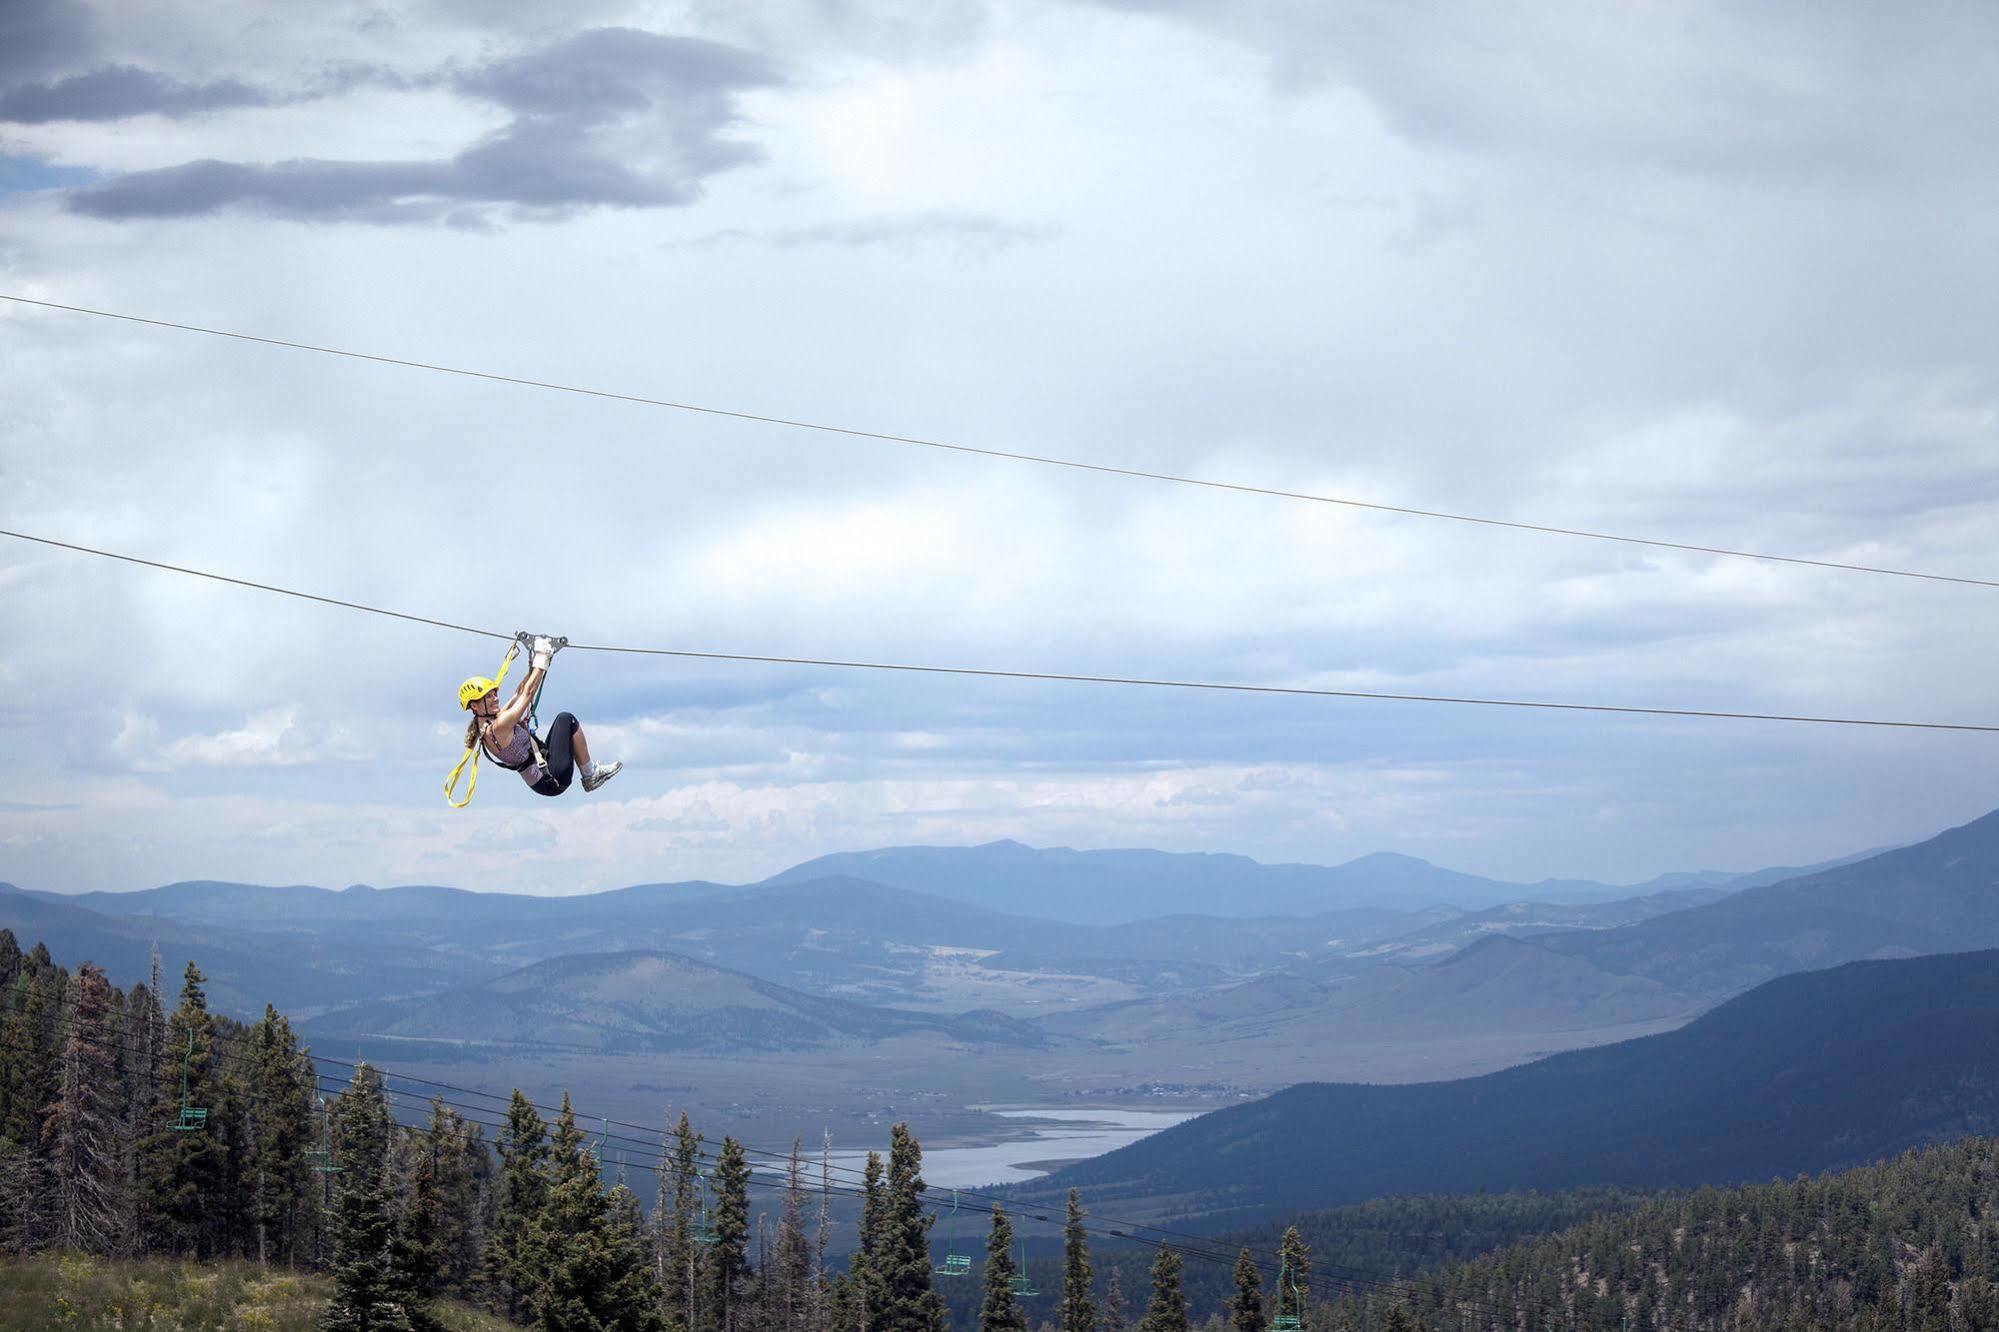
x=955, y=1264
x=192, y=1117
x=472, y=751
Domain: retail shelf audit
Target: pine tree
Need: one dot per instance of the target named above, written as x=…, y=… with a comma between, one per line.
x=864, y=1266
x=80, y=1130
x=188, y=1173
x=1167, y=1310
x=1000, y=1312
x=1926, y=1293
x=33, y=1083
x=417, y=1253
x=790, y=1306
x=1246, y=1309
x=823, y=1232
x=901, y=1261
x=1117, y=1313
x=842, y=1305
x=459, y=1163
x=728, y=1256
x=675, y=1223
x=1079, y=1313
x=632, y=1297
x=366, y=1297
x=280, y=1095
x=1294, y=1273
x=522, y=1190
x=585, y=1258
x=146, y=1030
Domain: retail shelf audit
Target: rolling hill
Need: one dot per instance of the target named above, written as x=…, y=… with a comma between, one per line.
x=650, y=1002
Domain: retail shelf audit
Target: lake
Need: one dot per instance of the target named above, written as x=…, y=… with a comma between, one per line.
x=1050, y=1135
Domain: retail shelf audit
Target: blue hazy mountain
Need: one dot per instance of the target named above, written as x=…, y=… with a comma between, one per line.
x=1814, y=1071
x=1937, y=896
x=1111, y=887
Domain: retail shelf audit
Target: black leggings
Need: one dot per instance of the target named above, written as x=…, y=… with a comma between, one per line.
x=561, y=762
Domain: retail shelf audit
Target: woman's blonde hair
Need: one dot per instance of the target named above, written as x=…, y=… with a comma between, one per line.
x=472, y=732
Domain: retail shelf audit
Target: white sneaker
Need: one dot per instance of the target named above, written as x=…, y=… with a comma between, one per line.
x=600, y=774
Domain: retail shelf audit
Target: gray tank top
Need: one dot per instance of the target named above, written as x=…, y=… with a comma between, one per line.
x=518, y=753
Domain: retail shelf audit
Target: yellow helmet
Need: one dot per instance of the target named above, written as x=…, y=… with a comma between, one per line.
x=475, y=688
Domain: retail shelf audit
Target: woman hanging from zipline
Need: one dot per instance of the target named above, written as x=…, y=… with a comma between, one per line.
x=505, y=732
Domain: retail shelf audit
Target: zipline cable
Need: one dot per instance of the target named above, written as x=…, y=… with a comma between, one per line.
x=257, y=587
x=1044, y=460
x=1056, y=677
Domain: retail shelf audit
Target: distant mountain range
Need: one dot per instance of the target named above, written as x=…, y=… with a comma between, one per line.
x=1810, y=1072
x=1215, y=1000
x=871, y=939
x=1113, y=887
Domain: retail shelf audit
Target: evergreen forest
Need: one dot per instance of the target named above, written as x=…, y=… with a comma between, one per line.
x=135, y=1128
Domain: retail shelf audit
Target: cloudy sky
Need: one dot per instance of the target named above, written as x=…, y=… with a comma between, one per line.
x=1721, y=274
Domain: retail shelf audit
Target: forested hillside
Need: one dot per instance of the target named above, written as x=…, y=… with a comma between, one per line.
x=1911, y=1244
x=1384, y=1239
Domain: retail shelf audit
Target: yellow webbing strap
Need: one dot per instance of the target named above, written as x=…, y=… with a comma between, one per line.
x=472, y=751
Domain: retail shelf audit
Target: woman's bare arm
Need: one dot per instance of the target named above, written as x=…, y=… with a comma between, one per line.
x=504, y=721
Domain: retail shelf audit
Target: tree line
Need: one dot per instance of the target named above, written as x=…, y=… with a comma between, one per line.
x=1906, y=1245
x=131, y=1130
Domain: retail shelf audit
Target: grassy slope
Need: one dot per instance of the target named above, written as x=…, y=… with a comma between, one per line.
x=71, y=1291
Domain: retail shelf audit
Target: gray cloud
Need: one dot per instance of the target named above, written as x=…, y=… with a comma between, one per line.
x=38, y=36
x=612, y=117
x=116, y=92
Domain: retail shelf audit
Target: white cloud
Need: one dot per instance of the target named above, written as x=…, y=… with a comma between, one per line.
x=273, y=738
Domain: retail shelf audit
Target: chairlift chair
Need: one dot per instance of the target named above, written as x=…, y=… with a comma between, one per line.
x=1287, y=1298
x=192, y=1118
x=1019, y=1283
x=955, y=1264
x=322, y=1159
